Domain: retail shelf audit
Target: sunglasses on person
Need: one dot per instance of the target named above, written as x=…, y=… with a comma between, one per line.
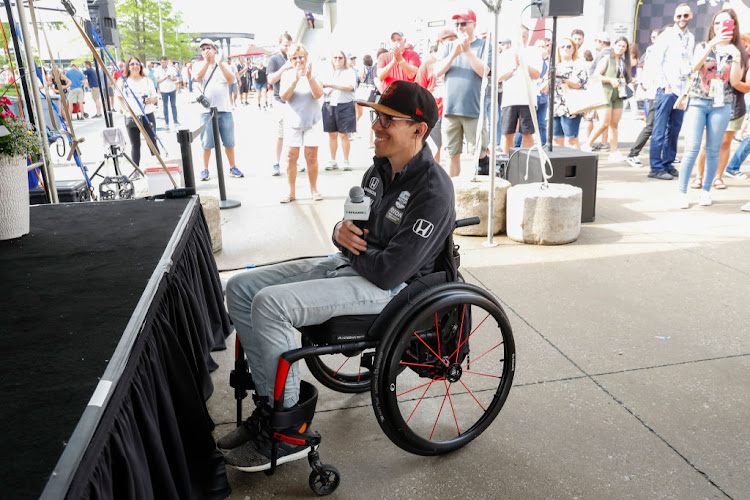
x=566, y=46
x=461, y=24
x=339, y=57
x=682, y=16
x=385, y=120
x=297, y=58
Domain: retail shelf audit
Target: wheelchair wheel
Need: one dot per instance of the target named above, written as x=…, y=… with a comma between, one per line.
x=341, y=372
x=458, y=348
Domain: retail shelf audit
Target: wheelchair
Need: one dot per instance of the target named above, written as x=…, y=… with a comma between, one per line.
x=438, y=362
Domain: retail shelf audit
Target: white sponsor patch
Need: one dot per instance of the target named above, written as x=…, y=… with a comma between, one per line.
x=374, y=183
x=423, y=228
x=402, y=200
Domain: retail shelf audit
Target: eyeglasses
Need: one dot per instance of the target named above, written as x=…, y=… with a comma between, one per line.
x=682, y=16
x=385, y=120
x=566, y=46
x=461, y=24
x=134, y=64
x=339, y=57
x=297, y=58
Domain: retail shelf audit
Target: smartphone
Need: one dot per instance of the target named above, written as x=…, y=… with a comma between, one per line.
x=728, y=26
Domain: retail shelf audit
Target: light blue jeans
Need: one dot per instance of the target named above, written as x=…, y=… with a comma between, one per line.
x=266, y=304
x=739, y=156
x=701, y=114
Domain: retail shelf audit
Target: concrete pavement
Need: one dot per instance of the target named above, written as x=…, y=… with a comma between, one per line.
x=633, y=344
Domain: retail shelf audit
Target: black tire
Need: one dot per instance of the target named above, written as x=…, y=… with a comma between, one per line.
x=339, y=372
x=439, y=360
x=325, y=484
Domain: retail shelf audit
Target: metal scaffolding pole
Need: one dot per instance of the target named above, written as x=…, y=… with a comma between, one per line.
x=38, y=109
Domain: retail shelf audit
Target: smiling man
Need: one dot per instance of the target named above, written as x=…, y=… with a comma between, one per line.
x=411, y=218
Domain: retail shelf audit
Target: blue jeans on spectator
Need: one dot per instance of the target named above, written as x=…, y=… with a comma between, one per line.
x=487, y=109
x=171, y=97
x=703, y=115
x=541, y=119
x=567, y=127
x=739, y=155
x=667, y=125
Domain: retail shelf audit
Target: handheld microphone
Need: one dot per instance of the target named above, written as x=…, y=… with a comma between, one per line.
x=357, y=205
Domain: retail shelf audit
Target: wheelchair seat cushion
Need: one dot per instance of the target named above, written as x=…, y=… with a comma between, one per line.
x=342, y=329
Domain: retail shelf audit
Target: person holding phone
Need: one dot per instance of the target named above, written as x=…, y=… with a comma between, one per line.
x=717, y=67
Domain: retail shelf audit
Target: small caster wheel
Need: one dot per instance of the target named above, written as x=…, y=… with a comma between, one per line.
x=325, y=483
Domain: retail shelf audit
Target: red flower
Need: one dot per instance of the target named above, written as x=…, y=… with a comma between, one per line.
x=5, y=101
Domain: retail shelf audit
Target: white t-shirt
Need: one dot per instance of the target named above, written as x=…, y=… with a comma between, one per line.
x=167, y=85
x=141, y=88
x=302, y=111
x=514, y=88
x=345, y=77
x=217, y=92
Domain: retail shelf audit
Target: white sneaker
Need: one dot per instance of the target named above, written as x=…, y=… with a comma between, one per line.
x=745, y=207
x=705, y=199
x=586, y=148
x=634, y=161
x=683, y=201
x=616, y=157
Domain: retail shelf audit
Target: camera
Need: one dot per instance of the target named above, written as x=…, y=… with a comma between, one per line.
x=143, y=99
x=203, y=101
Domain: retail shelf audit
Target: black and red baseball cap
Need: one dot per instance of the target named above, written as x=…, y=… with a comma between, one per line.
x=404, y=99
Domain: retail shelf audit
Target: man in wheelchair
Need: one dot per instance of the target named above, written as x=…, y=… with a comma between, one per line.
x=411, y=218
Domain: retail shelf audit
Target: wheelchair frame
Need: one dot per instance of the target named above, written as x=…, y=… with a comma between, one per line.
x=324, y=479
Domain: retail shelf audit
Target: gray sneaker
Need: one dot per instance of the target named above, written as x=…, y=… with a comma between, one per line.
x=665, y=176
x=255, y=455
x=236, y=438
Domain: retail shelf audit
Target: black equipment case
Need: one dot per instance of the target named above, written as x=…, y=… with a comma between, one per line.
x=67, y=192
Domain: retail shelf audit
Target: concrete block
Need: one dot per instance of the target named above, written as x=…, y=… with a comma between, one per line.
x=472, y=201
x=211, y=212
x=550, y=216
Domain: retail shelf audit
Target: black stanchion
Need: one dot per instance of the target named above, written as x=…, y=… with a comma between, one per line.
x=223, y=202
x=185, y=140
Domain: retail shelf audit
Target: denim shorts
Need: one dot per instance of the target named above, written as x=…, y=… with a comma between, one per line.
x=567, y=126
x=226, y=130
x=261, y=86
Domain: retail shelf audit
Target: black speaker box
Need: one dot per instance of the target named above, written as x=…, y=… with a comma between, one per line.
x=104, y=19
x=557, y=8
x=569, y=166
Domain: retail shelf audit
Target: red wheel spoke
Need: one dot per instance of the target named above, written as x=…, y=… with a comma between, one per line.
x=419, y=386
x=482, y=374
x=416, y=364
x=430, y=348
x=461, y=330
x=450, y=400
x=420, y=400
x=478, y=357
x=438, y=416
x=472, y=394
x=340, y=367
x=437, y=329
x=472, y=333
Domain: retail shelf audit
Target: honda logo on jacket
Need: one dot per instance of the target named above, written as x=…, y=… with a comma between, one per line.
x=423, y=228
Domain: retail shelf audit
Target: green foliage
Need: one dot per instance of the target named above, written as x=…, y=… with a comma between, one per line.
x=22, y=139
x=138, y=23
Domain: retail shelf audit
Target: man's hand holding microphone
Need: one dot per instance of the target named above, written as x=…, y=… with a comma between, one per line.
x=347, y=233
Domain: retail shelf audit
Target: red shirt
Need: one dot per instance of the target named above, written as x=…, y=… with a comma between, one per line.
x=396, y=72
x=426, y=78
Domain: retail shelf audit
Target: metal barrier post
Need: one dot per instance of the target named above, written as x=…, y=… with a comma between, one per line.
x=183, y=137
x=223, y=202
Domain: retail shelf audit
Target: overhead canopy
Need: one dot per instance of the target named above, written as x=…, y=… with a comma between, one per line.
x=253, y=50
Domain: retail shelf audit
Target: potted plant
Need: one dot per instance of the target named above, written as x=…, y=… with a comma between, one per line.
x=17, y=142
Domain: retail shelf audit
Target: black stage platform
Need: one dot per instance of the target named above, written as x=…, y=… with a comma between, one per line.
x=109, y=314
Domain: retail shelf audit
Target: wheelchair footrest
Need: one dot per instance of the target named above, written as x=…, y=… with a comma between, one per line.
x=307, y=438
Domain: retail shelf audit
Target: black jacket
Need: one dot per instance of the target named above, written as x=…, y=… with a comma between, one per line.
x=411, y=218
